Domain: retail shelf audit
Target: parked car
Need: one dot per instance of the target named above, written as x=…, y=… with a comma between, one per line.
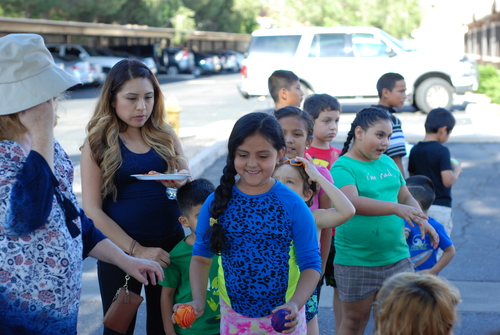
x=232, y=60
x=179, y=61
x=346, y=62
x=217, y=60
x=204, y=64
x=148, y=61
x=84, y=53
x=83, y=70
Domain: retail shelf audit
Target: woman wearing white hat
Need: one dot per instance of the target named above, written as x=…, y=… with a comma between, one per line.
x=43, y=235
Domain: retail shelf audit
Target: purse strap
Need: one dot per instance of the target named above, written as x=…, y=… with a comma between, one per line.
x=126, y=298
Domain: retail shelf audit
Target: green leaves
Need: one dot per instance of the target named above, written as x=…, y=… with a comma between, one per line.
x=398, y=18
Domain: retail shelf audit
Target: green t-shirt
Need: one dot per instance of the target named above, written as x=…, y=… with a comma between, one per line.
x=177, y=276
x=370, y=240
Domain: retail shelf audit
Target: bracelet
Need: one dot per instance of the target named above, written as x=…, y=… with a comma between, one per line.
x=132, y=246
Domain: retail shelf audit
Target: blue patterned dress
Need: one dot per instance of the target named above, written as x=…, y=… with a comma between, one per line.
x=40, y=262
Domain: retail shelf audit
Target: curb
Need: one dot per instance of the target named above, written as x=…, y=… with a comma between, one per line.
x=206, y=158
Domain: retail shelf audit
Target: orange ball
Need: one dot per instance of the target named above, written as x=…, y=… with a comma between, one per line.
x=184, y=316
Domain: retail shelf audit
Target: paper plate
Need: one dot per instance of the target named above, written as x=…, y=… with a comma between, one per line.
x=160, y=176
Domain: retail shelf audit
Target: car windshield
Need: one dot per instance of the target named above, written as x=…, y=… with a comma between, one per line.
x=91, y=52
x=396, y=41
x=283, y=46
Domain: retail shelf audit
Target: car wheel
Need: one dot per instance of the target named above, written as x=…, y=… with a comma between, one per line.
x=172, y=71
x=433, y=93
x=196, y=71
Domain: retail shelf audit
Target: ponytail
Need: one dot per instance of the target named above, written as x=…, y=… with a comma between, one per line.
x=347, y=142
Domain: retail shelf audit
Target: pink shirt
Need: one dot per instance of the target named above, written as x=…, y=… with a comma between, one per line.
x=325, y=173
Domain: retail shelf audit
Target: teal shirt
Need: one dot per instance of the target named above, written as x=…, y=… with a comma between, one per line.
x=177, y=276
x=370, y=240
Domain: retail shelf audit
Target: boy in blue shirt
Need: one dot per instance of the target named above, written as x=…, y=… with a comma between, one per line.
x=423, y=255
x=176, y=287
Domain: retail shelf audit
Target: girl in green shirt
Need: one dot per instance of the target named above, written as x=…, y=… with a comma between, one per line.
x=371, y=246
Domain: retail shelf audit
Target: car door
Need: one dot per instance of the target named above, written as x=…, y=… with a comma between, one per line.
x=327, y=64
x=373, y=57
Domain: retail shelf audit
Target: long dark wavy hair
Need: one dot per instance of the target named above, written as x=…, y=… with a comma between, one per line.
x=365, y=118
x=248, y=125
x=104, y=127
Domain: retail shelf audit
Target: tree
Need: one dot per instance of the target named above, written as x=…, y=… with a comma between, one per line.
x=398, y=18
x=246, y=12
x=89, y=10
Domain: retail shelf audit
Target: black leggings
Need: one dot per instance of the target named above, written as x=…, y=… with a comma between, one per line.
x=111, y=278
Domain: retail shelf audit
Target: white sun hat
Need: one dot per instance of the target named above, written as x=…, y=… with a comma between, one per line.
x=28, y=74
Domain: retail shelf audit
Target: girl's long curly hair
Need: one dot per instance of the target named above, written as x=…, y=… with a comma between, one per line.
x=105, y=125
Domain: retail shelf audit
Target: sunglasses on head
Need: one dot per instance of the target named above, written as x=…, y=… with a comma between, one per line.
x=292, y=162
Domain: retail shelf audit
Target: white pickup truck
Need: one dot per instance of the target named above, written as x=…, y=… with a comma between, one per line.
x=347, y=62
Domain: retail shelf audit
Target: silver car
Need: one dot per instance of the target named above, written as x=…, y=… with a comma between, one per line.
x=80, y=69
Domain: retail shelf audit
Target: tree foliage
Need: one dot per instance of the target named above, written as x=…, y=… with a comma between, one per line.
x=396, y=17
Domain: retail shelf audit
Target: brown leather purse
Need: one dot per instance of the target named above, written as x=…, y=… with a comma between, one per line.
x=123, y=308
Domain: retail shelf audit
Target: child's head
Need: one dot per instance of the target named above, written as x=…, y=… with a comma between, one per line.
x=391, y=88
x=422, y=190
x=190, y=198
x=297, y=128
x=317, y=103
x=293, y=175
x=255, y=146
x=415, y=304
x=440, y=120
x=284, y=87
x=325, y=111
x=370, y=131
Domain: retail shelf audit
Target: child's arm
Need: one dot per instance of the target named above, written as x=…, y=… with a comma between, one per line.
x=325, y=235
x=405, y=198
x=450, y=177
x=167, y=304
x=332, y=217
x=445, y=259
x=198, y=277
x=305, y=287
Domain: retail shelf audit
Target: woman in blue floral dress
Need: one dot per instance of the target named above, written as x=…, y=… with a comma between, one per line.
x=44, y=236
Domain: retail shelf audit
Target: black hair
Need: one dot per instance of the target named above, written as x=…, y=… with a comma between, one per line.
x=299, y=114
x=438, y=118
x=307, y=183
x=388, y=81
x=365, y=118
x=278, y=80
x=248, y=125
x=317, y=103
x=422, y=189
x=193, y=194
